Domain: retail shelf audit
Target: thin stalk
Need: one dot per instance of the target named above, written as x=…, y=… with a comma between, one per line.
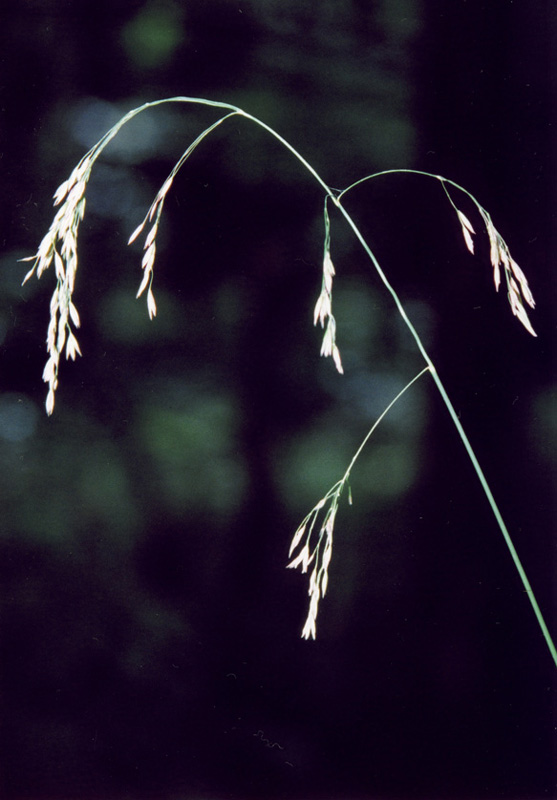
x=437, y=380
x=409, y=172
x=109, y=135
x=379, y=419
x=460, y=430
x=214, y=104
x=497, y=514
x=336, y=199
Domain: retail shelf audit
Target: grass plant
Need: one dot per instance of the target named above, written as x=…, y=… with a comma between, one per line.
x=313, y=540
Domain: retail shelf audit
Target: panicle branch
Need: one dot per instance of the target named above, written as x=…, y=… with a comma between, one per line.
x=59, y=245
x=323, y=308
x=322, y=551
x=154, y=215
x=318, y=553
x=518, y=290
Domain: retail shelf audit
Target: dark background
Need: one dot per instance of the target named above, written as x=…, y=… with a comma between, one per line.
x=150, y=633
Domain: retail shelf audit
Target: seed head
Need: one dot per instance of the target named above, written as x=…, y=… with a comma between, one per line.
x=318, y=553
x=518, y=290
x=467, y=230
x=59, y=245
x=323, y=312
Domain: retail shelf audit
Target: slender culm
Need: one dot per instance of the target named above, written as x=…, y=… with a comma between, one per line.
x=312, y=544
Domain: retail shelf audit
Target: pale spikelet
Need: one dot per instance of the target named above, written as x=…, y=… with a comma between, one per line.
x=318, y=553
x=336, y=359
x=149, y=246
x=50, y=369
x=61, y=192
x=467, y=230
x=136, y=232
x=163, y=191
x=49, y=404
x=72, y=347
x=323, y=312
x=493, y=248
x=322, y=308
x=296, y=540
x=309, y=631
x=517, y=284
x=517, y=306
x=302, y=558
x=151, y=235
x=499, y=255
x=147, y=265
x=59, y=245
x=74, y=315
x=328, y=271
x=524, y=288
x=151, y=305
x=329, y=337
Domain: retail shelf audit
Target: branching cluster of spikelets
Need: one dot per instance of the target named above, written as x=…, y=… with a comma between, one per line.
x=499, y=254
x=317, y=551
x=59, y=246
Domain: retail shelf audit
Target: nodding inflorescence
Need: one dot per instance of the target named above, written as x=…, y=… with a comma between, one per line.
x=59, y=247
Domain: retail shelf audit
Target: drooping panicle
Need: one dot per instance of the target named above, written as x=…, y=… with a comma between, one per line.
x=59, y=245
x=323, y=312
x=518, y=290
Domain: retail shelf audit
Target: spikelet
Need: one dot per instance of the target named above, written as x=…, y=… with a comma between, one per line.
x=59, y=245
x=323, y=308
x=518, y=290
x=467, y=230
x=317, y=553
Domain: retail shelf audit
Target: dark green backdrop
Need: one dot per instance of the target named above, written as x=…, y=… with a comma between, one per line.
x=150, y=633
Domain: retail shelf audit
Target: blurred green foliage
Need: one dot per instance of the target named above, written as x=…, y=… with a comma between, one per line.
x=195, y=455
x=153, y=35
x=84, y=488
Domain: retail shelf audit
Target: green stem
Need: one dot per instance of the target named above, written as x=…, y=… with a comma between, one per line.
x=336, y=198
x=497, y=514
x=461, y=432
x=213, y=104
x=410, y=172
x=437, y=380
x=378, y=420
